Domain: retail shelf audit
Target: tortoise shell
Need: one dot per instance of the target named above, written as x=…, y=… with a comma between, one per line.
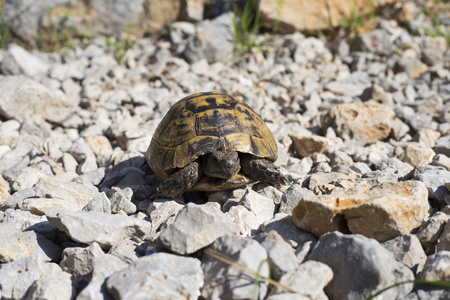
x=203, y=123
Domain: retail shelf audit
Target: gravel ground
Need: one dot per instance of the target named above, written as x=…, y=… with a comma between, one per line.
x=363, y=132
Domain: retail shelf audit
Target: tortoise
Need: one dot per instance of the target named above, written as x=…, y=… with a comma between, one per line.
x=212, y=141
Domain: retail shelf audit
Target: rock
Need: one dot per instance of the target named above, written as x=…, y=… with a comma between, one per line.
x=99, y=203
x=310, y=145
x=223, y=281
x=292, y=196
x=127, y=251
x=308, y=279
x=158, y=276
x=441, y=160
x=407, y=250
x=370, y=210
x=81, y=151
x=18, y=276
x=280, y=254
x=417, y=154
x=360, y=123
x=195, y=227
x=103, y=267
x=71, y=195
x=105, y=229
x=247, y=220
x=429, y=232
x=58, y=285
x=351, y=251
x=4, y=191
x=161, y=210
x=434, y=180
x=444, y=238
x=375, y=41
x=101, y=147
x=18, y=61
x=412, y=66
x=121, y=200
x=344, y=88
x=213, y=40
x=442, y=146
x=78, y=261
x=16, y=244
x=291, y=15
x=427, y=137
x=437, y=267
x=263, y=207
x=284, y=226
x=24, y=99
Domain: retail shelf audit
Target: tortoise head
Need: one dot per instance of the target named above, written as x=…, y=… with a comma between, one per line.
x=221, y=164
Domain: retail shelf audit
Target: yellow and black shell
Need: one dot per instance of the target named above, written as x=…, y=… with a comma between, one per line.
x=203, y=123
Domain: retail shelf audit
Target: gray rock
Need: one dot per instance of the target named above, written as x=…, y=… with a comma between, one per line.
x=407, y=250
x=16, y=244
x=57, y=285
x=121, y=200
x=349, y=253
x=102, y=267
x=376, y=41
x=292, y=196
x=105, y=229
x=24, y=16
x=18, y=276
x=437, y=267
x=434, y=180
x=161, y=210
x=213, y=40
x=283, y=224
x=18, y=61
x=263, y=207
x=280, y=254
x=308, y=279
x=158, y=276
x=81, y=151
x=195, y=227
x=127, y=251
x=429, y=232
x=78, y=261
x=223, y=281
x=444, y=238
x=99, y=203
x=442, y=146
x=24, y=99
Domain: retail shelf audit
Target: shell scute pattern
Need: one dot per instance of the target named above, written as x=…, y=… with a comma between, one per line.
x=202, y=123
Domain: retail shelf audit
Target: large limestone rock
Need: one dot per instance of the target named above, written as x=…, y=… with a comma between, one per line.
x=381, y=211
x=24, y=99
x=197, y=226
x=158, y=276
x=105, y=229
x=361, y=267
x=361, y=124
x=303, y=15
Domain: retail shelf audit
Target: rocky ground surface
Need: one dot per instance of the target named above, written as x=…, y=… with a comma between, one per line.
x=363, y=128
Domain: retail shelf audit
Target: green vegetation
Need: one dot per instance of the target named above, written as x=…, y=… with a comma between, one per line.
x=442, y=284
x=4, y=30
x=120, y=46
x=58, y=35
x=358, y=19
x=257, y=278
x=438, y=28
x=246, y=25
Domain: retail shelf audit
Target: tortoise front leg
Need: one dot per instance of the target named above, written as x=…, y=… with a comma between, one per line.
x=178, y=182
x=262, y=170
